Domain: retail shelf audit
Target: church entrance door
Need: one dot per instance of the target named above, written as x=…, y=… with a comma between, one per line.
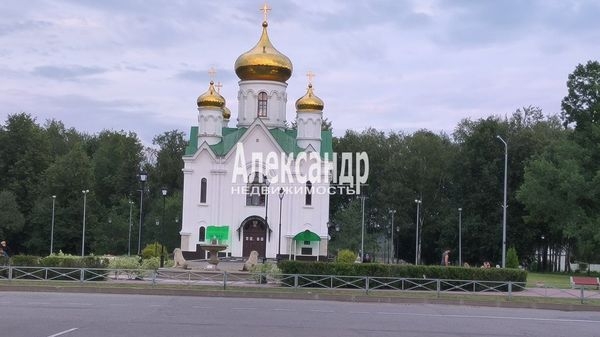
x=255, y=237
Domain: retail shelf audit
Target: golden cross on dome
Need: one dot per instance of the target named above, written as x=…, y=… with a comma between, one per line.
x=219, y=86
x=265, y=9
x=212, y=72
x=310, y=76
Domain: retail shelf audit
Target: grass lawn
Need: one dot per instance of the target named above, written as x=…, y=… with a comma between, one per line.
x=548, y=279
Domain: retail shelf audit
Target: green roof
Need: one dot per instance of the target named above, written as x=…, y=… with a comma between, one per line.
x=307, y=236
x=285, y=138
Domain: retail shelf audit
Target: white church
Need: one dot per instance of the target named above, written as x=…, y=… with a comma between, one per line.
x=258, y=186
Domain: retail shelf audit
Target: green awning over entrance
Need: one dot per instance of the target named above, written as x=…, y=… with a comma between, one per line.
x=307, y=236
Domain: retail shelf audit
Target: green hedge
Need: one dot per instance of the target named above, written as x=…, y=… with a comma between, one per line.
x=57, y=262
x=417, y=274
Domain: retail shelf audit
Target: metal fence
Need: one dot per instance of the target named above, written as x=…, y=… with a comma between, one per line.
x=224, y=279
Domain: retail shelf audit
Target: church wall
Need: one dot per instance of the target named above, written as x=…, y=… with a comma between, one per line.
x=248, y=102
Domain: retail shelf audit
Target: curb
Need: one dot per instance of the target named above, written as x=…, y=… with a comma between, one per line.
x=296, y=295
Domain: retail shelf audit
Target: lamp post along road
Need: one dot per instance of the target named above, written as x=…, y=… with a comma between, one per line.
x=267, y=183
x=281, y=195
x=504, y=205
x=52, y=226
x=143, y=178
x=460, y=237
x=362, y=235
x=85, y=192
x=392, y=212
x=129, y=239
x=162, y=245
x=157, y=222
x=418, y=201
x=398, y=245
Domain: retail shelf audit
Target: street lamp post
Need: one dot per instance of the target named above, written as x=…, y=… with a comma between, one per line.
x=129, y=239
x=460, y=236
x=362, y=236
x=392, y=212
x=281, y=195
x=143, y=178
x=157, y=222
x=162, y=245
x=85, y=192
x=267, y=183
x=52, y=227
x=418, y=201
x=504, y=205
x=398, y=246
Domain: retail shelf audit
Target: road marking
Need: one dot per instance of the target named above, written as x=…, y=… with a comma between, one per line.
x=63, y=332
x=325, y=311
x=282, y=309
x=243, y=308
x=565, y=320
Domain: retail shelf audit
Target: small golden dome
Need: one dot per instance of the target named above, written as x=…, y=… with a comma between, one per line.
x=263, y=62
x=309, y=101
x=226, y=113
x=211, y=98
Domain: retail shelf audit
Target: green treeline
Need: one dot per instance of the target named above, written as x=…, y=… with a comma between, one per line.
x=553, y=185
x=38, y=162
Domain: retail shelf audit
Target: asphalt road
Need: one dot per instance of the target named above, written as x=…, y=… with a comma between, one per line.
x=92, y=315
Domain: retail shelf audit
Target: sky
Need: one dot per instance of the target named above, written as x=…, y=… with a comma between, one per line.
x=395, y=65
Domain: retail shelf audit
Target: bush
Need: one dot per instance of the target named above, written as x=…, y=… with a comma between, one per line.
x=61, y=267
x=260, y=272
x=346, y=256
x=399, y=271
x=153, y=250
x=151, y=263
x=125, y=262
x=512, y=260
x=25, y=260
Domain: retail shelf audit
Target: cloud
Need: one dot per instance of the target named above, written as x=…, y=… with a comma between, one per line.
x=67, y=73
x=22, y=26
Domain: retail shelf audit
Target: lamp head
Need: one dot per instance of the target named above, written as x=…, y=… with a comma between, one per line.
x=164, y=191
x=281, y=193
x=143, y=176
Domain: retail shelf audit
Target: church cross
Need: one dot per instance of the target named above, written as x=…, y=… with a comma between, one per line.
x=265, y=9
x=212, y=72
x=219, y=86
x=310, y=76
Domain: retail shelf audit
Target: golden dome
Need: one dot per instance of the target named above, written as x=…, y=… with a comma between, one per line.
x=263, y=62
x=309, y=101
x=226, y=113
x=211, y=98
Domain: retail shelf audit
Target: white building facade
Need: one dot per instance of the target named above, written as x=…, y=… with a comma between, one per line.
x=259, y=186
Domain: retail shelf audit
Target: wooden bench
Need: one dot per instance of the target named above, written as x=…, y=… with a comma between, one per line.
x=583, y=281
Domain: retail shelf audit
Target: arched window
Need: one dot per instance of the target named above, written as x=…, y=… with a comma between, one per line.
x=203, y=191
x=262, y=104
x=308, y=197
x=255, y=195
x=202, y=234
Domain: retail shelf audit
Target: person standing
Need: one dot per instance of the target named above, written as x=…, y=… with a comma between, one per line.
x=446, y=258
x=4, y=248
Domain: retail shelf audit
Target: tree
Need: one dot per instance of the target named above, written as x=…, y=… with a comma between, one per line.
x=581, y=106
x=11, y=218
x=116, y=164
x=512, y=259
x=555, y=192
x=171, y=149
